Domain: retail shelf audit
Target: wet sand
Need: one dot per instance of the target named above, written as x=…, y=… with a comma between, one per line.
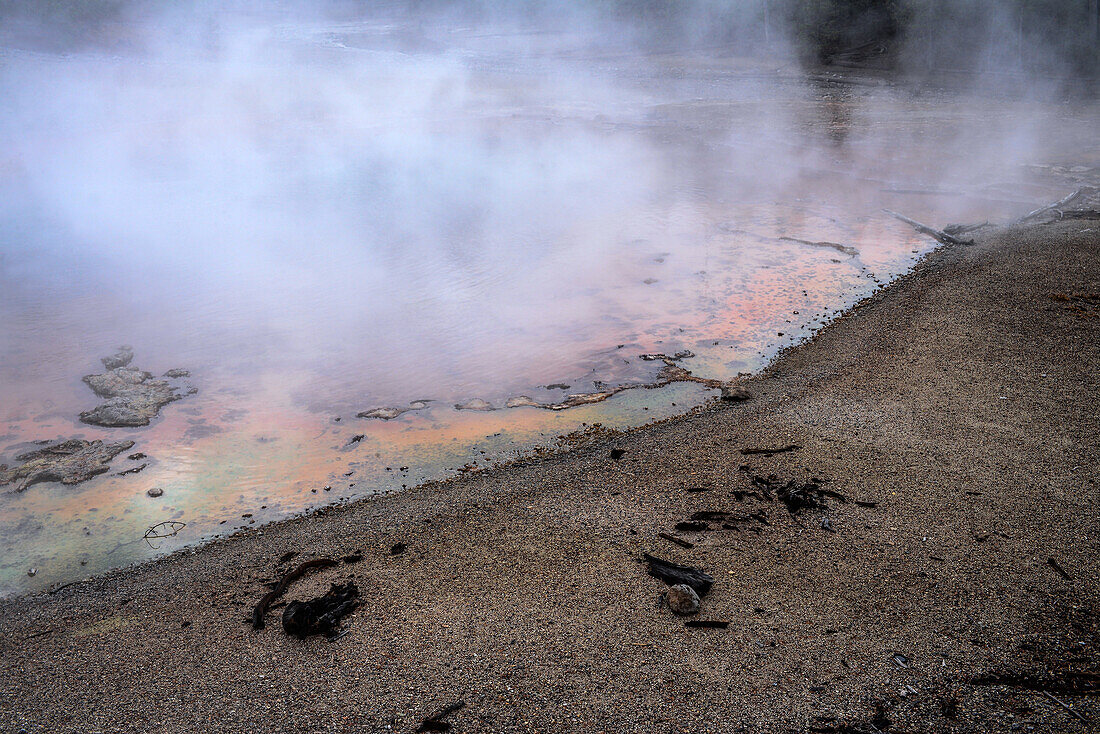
x=961, y=401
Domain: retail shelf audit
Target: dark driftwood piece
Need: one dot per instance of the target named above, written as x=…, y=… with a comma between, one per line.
x=435, y=721
x=321, y=616
x=707, y=623
x=260, y=611
x=932, y=232
x=709, y=515
x=797, y=496
x=674, y=573
x=1053, y=207
x=770, y=451
x=1066, y=682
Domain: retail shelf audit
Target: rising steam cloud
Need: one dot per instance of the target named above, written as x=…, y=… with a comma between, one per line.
x=469, y=188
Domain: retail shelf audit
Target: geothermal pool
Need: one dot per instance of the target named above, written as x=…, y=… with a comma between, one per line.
x=323, y=221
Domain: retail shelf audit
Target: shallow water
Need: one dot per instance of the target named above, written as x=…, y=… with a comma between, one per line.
x=317, y=221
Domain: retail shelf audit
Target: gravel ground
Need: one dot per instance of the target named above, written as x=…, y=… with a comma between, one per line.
x=962, y=401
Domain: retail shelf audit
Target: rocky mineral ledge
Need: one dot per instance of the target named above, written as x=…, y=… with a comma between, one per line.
x=962, y=402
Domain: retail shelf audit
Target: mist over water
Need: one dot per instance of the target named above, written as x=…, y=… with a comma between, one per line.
x=318, y=215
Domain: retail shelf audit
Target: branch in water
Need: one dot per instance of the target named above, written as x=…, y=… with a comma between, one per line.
x=932, y=232
x=1055, y=206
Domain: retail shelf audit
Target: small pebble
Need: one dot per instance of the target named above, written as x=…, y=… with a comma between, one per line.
x=682, y=599
x=154, y=492
x=32, y=571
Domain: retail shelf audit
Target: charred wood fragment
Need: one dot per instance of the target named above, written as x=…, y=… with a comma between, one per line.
x=692, y=526
x=435, y=722
x=678, y=541
x=674, y=573
x=707, y=623
x=770, y=451
x=260, y=611
x=320, y=616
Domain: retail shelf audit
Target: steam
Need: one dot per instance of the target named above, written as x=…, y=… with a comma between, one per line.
x=319, y=208
x=436, y=194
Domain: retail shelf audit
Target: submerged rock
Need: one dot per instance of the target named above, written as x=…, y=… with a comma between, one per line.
x=475, y=404
x=388, y=414
x=133, y=396
x=121, y=358
x=68, y=462
x=570, y=401
x=659, y=356
x=175, y=373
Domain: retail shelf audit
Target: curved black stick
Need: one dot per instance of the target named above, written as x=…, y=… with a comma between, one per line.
x=260, y=611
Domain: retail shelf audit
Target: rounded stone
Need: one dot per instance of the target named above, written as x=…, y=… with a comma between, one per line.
x=735, y=393
x=682, y=599
x=155, y=492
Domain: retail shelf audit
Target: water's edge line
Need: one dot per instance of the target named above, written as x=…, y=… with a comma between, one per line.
x=931, y=259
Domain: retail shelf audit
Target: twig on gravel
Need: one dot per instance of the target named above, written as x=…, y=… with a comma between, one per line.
x=678, y=541
x=261, y=608
x=770, y=451
x=1058, y=569
x=1065, y=705
x=435, y=721
x=56, y=589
